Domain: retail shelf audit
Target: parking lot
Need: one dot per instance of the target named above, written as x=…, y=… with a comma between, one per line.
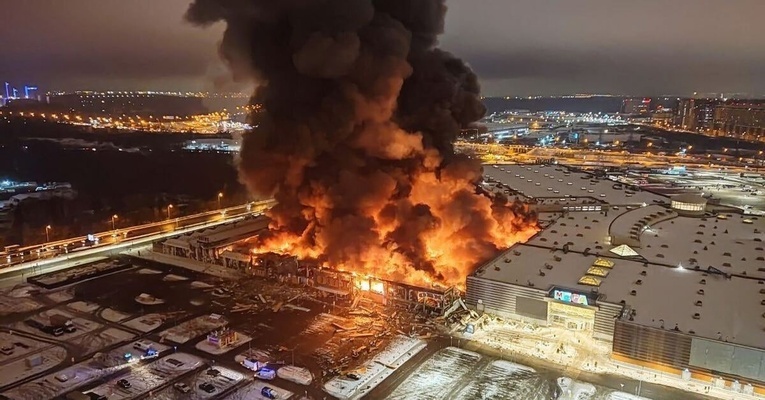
x=394, y=352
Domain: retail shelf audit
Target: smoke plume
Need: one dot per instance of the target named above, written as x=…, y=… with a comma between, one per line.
x=360, y=111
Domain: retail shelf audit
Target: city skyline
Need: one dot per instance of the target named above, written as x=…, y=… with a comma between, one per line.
x=527, y=48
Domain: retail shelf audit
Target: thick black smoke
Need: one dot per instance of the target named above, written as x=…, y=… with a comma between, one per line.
x=355, y=140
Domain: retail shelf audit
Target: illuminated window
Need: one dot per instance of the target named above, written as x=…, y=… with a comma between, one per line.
x=589, y=281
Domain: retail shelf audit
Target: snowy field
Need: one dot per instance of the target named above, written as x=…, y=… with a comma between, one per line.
x=83, y=325
x=222, y=382
x=113, y=315
x=146, y=378
x=149, y=322
x=17, y=300
x=48, y=387
x=24, y=367
x=252, y=392
x=84, y=306
x=576, y=390
x=93, y=341
x=21, y=346
x=437, y=377
x=506, y=380
x=379, y=368
x=457, y=374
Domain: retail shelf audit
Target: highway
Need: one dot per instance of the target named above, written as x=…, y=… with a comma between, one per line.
x=103, y=242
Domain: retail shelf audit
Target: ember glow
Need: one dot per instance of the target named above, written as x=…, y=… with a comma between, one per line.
x=354, y=140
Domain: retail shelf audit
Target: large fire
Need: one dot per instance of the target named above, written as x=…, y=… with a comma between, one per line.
x=360, y=110
x=467, y=229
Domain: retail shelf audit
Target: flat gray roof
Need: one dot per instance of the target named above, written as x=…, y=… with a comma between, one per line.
x=730, y=309
x=669, y=253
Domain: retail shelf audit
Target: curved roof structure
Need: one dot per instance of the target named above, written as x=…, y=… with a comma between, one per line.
x=689, y=198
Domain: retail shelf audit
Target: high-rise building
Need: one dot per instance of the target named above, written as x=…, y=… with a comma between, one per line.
x=696, y=114
x=636, y=106
x=740, y=119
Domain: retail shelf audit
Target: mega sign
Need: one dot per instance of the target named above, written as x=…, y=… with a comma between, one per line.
x=570, y=297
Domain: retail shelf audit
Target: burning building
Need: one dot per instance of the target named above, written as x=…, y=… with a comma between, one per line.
x=354, y=139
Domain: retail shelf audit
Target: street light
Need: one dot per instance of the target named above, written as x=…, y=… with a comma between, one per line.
x=47, y=235
x=220, y=196
x=114, y=229
x=169, y=206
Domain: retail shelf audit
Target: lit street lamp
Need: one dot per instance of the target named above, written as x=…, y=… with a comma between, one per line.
x=169, y=206
x=114, y=217
x=47, y=235
x=220, y=196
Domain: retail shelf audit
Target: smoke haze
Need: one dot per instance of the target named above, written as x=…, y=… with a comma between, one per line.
x=355, y=136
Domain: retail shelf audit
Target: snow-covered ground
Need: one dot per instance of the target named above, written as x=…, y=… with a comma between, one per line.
x=21, y=346
x=201, y=285
x=147, y=323
x=147, y=377
x=97, y=340
x=222, y=382
x=148, y=271
x=252, y=392
x=376, y=370
x=49, y=387
x=205, y=346
x=61, y=296
x=438, y=376
x=84, y=306
x=299, y=375
x=185, y=331
x=31, y=364
x=113, y=315
x=148, y=300
x=575, y=390
x=502, y=379
x=17, y=300
x=174, y=278
x=83, y=325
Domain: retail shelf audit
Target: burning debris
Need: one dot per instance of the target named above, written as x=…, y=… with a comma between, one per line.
x=355, y=136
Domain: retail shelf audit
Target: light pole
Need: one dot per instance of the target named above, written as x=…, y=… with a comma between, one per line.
x=47, y=233
x=220, y=196
x=114, y=229
x=169, y=206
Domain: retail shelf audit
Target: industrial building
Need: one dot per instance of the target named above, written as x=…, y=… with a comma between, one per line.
x=673, y=283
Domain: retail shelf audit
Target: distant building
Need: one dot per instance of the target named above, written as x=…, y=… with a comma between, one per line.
x=689, y=204
x=636, y=106
x=696, y=114
x=745, y=120
x=143, y=104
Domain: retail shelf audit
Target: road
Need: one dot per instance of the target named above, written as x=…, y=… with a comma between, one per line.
x=125, y=239
x=15, y=256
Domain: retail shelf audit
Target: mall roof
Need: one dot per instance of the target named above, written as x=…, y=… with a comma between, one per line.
x=740, y=320
x=676, y=253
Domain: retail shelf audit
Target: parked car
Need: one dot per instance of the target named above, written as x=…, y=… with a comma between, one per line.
x=353, y=376
x=123, y=383
x=267, y=392
x=207, y=387
x=182, y=387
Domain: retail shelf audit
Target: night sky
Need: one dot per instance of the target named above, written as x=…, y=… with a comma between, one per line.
x=518, y=47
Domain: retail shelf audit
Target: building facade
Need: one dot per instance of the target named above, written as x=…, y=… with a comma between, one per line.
x=742, y=120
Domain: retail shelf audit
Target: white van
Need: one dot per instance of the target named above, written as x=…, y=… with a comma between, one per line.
x=143, y=345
